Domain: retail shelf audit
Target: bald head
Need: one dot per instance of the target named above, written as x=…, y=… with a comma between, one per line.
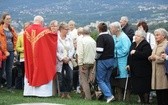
x=38, y=20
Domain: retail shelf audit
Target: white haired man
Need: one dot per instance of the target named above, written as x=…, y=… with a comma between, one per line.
x=127, y=27
x=86, y=59
x=40, y=67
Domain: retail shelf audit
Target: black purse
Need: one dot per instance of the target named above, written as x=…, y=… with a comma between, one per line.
x=17, y=60
x=115, y=70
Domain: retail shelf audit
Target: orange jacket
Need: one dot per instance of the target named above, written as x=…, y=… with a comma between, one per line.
x=3, y=41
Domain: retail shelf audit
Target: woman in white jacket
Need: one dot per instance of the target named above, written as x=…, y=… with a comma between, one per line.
x=65, y=53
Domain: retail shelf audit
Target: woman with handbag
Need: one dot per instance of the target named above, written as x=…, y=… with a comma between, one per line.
x=65, y=53
x=122, y=45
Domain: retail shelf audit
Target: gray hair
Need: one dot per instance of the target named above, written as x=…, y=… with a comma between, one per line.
x=116, y=25
x=71, y=22
x=125, y=18
x=80, y=30
x=141, y=33
x=162, y=31
x=63, y=25
x=86, y=30
x=38, y=19
x=53, y=22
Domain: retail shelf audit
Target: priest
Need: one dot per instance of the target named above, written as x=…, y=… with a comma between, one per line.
x=40, y=46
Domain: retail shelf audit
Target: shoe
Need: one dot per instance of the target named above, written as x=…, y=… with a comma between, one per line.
x=68, y=96
x=1, y=86
x=110, y=99
x=139, y=101
x=10, y=90
x=78, y=89
x=62, y=95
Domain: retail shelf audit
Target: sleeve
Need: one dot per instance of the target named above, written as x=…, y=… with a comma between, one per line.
x=59, y=52
x=131, y=33
x=72, y=49
x=80, y=53
x=100, y=44
x=3, y=45
x=152, y=41
x=14, y=38
x=60, y=58
x=19, y=47
x=125, y=46
x=129, y=56
x=144, y=53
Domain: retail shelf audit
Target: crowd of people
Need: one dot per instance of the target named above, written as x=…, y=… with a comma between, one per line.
x=60, y=58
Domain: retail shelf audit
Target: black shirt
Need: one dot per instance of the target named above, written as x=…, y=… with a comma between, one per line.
x=105, y=46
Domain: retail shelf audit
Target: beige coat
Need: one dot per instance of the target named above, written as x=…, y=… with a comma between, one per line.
x=159, y=79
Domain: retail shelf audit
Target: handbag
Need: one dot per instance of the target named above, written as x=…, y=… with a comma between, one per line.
x=115, y=70
x=17, y=60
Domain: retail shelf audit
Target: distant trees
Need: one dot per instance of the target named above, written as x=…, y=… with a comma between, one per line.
x=94, y=32
x=159, y=25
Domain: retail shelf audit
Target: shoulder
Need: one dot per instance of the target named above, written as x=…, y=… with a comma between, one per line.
x=1, y=28
x=124, y=37
x=145, y=43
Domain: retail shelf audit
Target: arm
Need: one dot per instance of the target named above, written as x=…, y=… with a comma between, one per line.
x=14, y=38
x=72, y=49
x=59, y=52
x=144, y=53
x=3, y=45
x=19, y=47
x=123, y=47
x=99, y=47
x=80, y=53
x=152, y=40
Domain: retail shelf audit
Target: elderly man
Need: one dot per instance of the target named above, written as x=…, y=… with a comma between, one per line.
x=127, y=27
x=40, y=63
x=86, y=58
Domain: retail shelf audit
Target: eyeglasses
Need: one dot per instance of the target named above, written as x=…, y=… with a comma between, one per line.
x=54, y=26
x=65, y=28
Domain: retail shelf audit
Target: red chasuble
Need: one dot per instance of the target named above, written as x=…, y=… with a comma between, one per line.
x=40, y=55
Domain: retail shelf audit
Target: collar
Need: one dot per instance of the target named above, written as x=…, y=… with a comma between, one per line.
x=103, y=33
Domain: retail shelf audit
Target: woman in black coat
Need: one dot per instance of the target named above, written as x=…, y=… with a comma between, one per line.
x=140, y=67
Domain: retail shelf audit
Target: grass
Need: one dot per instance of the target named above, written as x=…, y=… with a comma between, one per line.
x=7, y=98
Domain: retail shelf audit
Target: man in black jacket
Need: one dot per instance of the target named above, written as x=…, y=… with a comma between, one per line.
x=127, y=27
